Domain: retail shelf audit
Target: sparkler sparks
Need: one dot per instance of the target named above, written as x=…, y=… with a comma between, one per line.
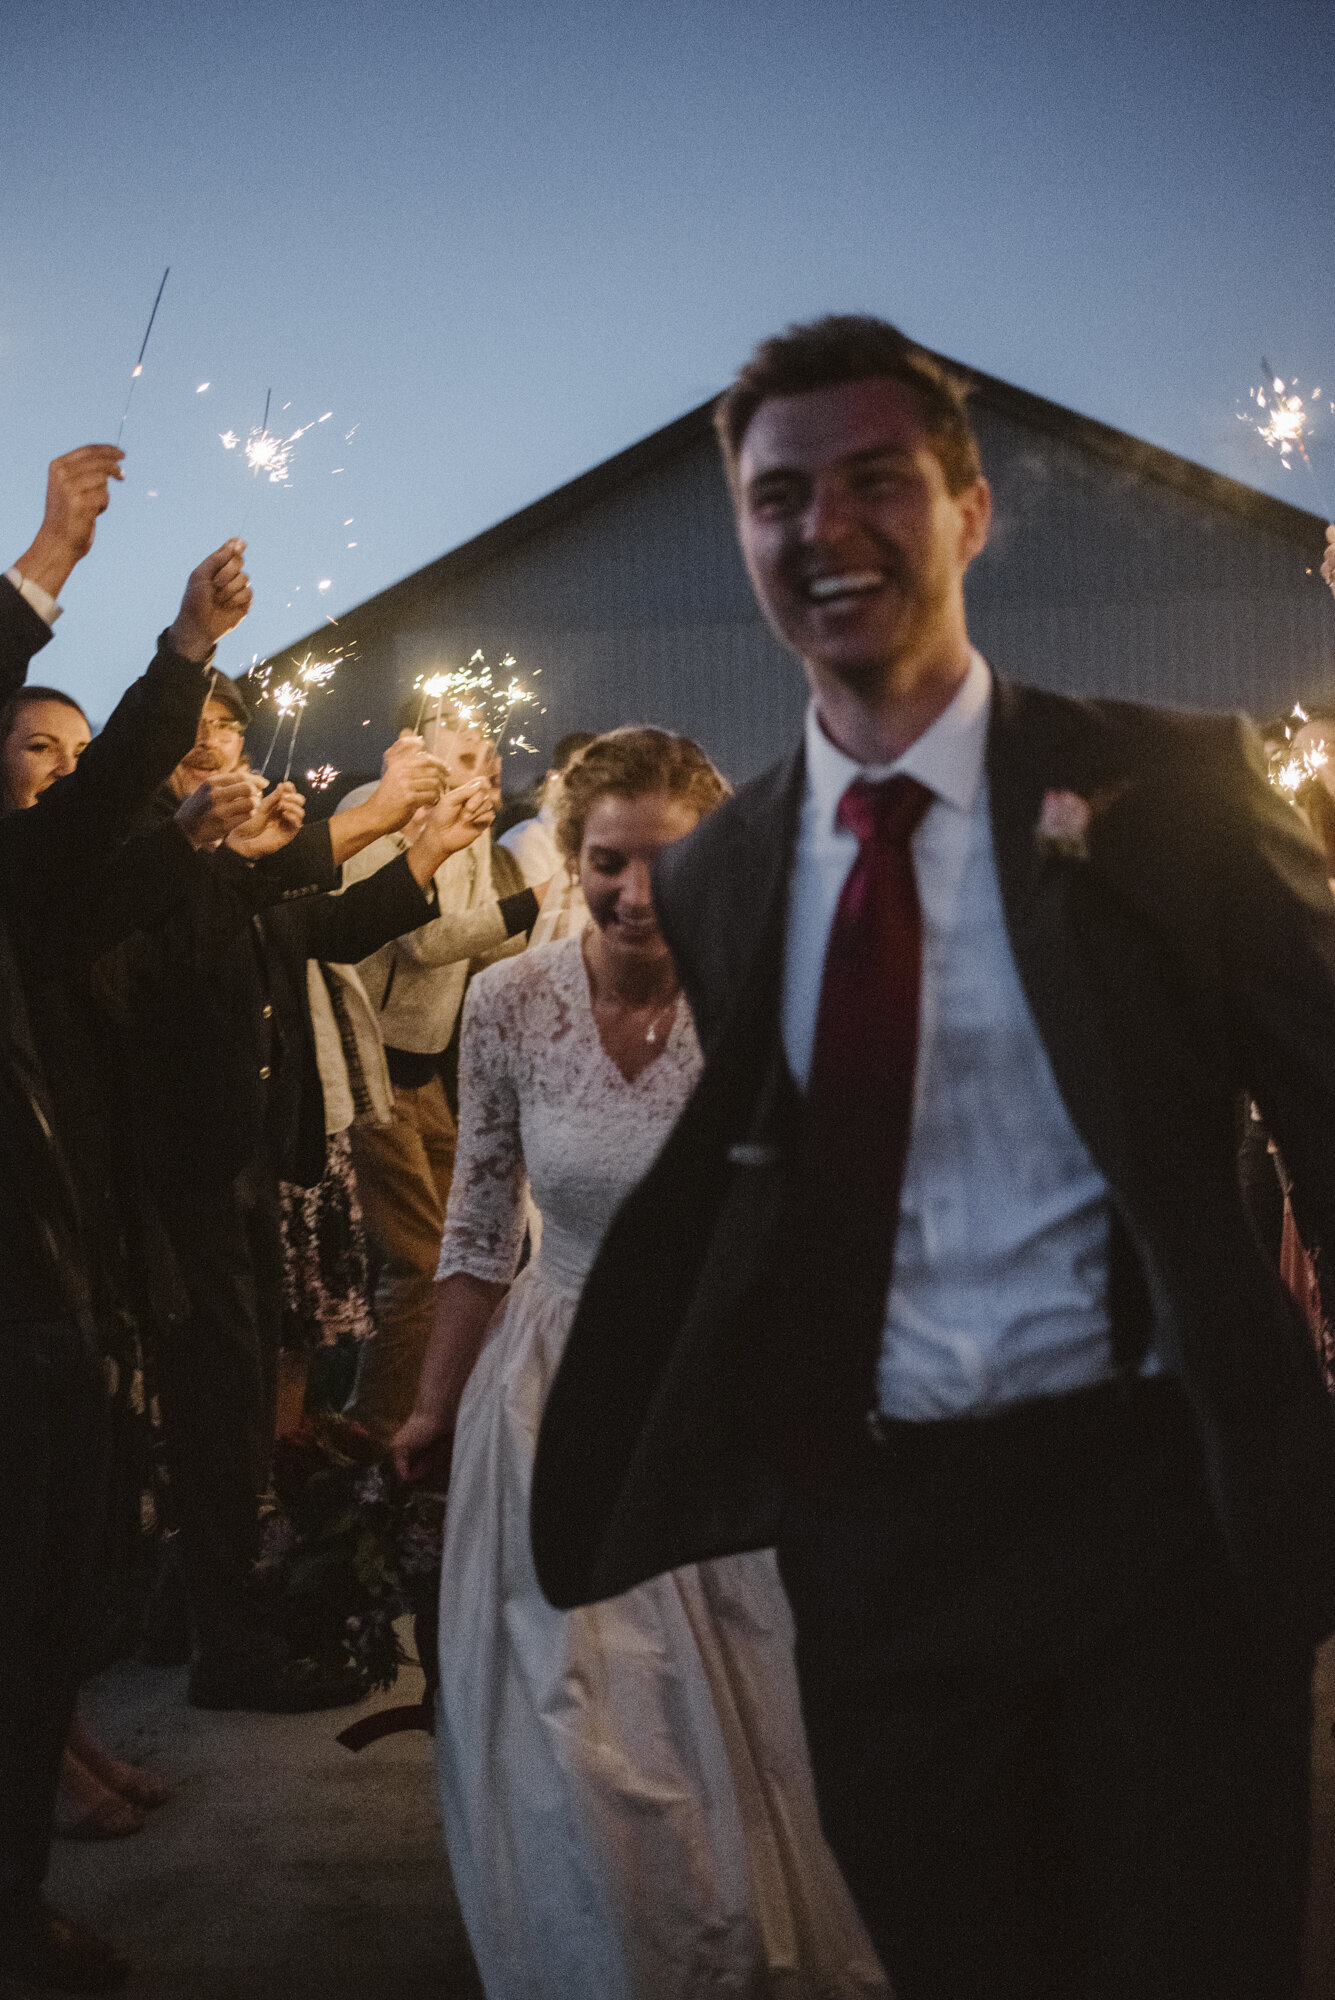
x=1290, y=767
x=269, y=453
x=319, y=673
x=1282, y=419
x=477, y=697
x=287, y=700
x=321, y=779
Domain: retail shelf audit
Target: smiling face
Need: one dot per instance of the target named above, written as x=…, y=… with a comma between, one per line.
x=220, y=744
x=46, y=742
x=622, y=839
x=853, y=541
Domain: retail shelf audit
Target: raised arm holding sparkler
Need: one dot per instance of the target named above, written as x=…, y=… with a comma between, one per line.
x=77, y=491
x=217, y=597
x=410, y=783
x=454, y=822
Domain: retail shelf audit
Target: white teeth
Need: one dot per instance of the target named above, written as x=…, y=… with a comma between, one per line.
x=821, y=587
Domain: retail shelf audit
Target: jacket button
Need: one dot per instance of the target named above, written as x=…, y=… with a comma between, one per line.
x=264, y=1072
x=266, y=1011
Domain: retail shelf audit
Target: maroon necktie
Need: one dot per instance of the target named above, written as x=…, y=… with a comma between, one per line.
x=859, y=1110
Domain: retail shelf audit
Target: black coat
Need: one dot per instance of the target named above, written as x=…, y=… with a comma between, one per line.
x=54, y=1185
x=220, y=1026
x=23, y=632
x=39, y=1216
x=1189, y=956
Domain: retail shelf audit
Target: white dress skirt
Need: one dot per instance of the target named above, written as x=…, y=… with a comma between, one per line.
x=627, y=1800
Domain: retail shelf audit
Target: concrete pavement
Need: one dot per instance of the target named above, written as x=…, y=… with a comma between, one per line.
x=287, y=1869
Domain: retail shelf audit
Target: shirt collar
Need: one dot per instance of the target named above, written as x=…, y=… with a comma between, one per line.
x=947, y=757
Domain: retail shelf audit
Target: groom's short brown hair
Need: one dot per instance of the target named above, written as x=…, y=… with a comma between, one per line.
x=852, y=347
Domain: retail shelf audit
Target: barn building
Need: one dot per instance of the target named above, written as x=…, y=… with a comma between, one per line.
x=1114, y=568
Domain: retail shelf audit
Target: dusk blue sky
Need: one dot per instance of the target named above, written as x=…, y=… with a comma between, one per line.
x=503, y=241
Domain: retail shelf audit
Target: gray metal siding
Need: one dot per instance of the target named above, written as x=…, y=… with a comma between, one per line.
x=1098, y=582
x=637, y=609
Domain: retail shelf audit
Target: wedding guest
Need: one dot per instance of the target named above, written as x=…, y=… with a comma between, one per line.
x=52, y=1427
x=532, y=841
x=321, y=1005
x=416, y=985
x=944, y=1282
x=326, y=1260
x=626, y=1798
x=229, y=1102
x=43, y=733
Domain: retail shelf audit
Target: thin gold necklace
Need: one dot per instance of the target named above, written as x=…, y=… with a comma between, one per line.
x=651, y=1032
x=668, y=1006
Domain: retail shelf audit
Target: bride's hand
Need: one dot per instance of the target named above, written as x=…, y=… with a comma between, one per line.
x=421, y=1449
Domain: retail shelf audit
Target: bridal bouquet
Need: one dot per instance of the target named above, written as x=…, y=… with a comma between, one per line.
x=347, y=1550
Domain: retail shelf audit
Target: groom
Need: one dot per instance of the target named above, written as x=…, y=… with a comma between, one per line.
x=943, y=1283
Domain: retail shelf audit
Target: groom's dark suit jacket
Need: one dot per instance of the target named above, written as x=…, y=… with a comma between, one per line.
x=1188, y=955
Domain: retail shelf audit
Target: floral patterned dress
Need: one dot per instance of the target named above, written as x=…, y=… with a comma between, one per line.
x=627, y=1800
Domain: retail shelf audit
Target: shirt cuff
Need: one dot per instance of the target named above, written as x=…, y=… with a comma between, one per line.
x=32, y=593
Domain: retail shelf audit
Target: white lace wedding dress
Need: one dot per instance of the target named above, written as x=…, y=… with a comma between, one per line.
x=627, y=1802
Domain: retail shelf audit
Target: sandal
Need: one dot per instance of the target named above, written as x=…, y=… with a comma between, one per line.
x=88, y=1810
x=131, y=1781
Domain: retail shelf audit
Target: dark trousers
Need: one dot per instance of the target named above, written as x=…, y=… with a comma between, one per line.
x=53, y=1425
x=217, y=1369
x=1053, y=1759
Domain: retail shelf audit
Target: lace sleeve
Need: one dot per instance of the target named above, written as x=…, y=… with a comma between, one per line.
x=484, y=1224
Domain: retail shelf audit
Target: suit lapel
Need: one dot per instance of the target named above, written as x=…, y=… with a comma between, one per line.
x=1035, y=747
x=766, y=835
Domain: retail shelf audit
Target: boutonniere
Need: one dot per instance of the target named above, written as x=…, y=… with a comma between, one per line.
x=1063, y=826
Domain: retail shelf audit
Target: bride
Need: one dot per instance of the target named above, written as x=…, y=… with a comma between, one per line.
x=627, y=1804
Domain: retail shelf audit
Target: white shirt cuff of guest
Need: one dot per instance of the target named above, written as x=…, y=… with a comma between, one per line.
x=41, y=600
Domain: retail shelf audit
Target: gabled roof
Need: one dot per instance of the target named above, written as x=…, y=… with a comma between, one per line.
x=1021, y=406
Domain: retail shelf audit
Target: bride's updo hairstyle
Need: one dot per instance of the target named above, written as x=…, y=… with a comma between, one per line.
x=630, y=764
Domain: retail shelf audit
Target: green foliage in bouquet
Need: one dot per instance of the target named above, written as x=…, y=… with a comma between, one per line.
x=348, y=1550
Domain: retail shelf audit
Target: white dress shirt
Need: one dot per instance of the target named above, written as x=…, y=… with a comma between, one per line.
x=533, y=844
x=42, y=602
x=1000, y=1284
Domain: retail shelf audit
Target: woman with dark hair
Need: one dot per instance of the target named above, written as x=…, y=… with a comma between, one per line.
x=627, y=1803
x=43, y=734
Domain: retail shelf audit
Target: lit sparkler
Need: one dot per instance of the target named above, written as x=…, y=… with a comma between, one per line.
x=138, y=368
x=321, y=779
x=1292, y=768
x=1282, y=419
x=286, y=699
x=433, y=689
x=292, y=746
x=477, y=696
x=268, y=452
x=311, y=674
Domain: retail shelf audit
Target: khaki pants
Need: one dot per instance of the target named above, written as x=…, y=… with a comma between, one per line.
x=403, y=1177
